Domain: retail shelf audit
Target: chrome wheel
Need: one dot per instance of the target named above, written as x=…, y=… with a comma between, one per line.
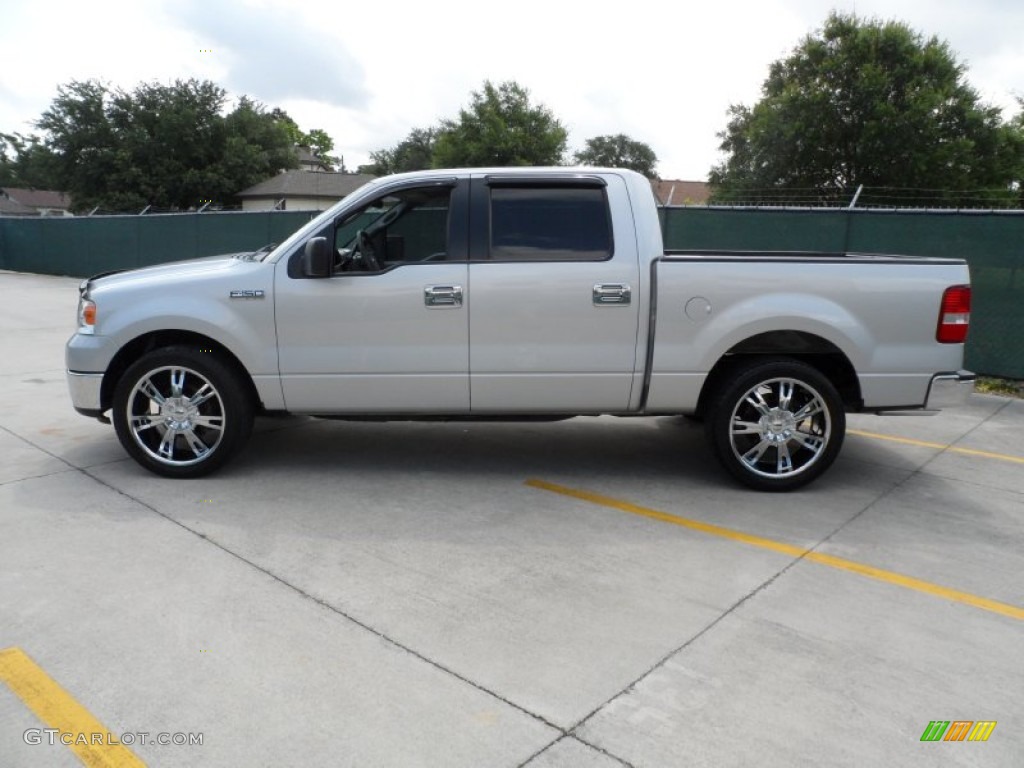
x=175, y=415
x=775, y=424
x=780, y=428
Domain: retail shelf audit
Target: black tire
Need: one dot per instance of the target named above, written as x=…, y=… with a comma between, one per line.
x=777, y=424
x=182, y=412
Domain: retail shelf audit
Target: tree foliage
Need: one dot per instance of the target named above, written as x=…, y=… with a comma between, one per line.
x=501, y=127
x=169, y=146
x=413, y=153
x=26, y=162
x=619, y=151
x=865, y=102
x=316, y=140
x=1017, y=126
x=321, y=144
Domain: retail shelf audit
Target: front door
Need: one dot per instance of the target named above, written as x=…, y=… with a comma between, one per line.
x=388, y=332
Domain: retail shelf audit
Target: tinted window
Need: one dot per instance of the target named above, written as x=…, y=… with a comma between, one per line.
x=549, y=224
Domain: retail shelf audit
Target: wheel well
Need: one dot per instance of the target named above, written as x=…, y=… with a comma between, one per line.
x=146, y=343
x=796, y=345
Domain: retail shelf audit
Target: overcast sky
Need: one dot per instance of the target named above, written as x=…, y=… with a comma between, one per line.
x=369, y=72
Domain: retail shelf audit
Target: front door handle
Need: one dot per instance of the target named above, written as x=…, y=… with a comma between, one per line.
x=612, y=293
x=441, y=296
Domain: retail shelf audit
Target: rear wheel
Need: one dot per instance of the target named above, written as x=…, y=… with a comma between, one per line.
x=181, y=412
x=777, y=426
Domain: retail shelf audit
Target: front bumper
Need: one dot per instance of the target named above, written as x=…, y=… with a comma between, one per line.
x=85, y=354
x=949, y=390
x=85, y=392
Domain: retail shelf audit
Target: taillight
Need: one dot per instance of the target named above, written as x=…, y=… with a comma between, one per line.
x=954, y=315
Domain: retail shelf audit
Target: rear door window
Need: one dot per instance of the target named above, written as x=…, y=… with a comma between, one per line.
x=549, y=223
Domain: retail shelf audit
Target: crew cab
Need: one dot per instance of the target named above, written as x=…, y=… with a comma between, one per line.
x=516, y=293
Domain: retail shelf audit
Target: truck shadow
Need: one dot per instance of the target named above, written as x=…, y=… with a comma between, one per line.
x=654, y=446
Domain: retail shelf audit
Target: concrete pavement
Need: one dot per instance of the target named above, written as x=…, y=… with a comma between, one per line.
x=397, y=595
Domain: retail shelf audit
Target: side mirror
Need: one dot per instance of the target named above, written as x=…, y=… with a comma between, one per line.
x=316, y=258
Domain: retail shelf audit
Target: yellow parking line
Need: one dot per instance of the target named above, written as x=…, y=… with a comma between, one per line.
x=889, y=577
x=84, y=734
x=940, y=446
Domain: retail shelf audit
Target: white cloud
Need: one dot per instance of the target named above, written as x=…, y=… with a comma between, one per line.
x=272, y=54
x=368, y=73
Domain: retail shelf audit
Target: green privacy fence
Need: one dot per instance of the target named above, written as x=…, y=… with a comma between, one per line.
x=85, y=245
x=993, y=244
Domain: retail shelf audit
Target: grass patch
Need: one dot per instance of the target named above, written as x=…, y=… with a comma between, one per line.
x=994, y=386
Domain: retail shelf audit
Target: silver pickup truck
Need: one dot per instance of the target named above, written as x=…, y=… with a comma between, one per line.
x=516, y=293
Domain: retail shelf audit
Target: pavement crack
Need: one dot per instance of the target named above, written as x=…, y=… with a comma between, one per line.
x=982, y=487
x=573, y=737
x=982, y=423
x=326, y=605
x=562, y=737
x=680, y=648
x=35, y=477
x=603, y=751
x=739, y=603
x=303, y=593
x=916, y=472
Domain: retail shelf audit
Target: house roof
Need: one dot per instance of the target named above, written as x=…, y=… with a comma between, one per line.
x=679, y=192
x=307, y=184
x=9, y=207
x=38, y=198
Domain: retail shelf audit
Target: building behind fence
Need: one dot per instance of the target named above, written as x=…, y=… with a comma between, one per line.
x=991, y=241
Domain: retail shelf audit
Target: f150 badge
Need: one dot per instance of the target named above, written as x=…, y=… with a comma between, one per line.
x=246, y=294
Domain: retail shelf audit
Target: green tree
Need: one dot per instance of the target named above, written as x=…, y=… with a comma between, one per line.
x=864, y=102
x=81, y=138
x=256, y=146
x=1017, y=137
x=295, y=134
x=500, y=128
x=169, y=146
x=321, y=145
x=26, y=162
x=316, y=140
x=6, y=159
x=413, y=153
x=619, y=151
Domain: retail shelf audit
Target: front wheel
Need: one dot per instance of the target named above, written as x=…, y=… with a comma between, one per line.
x=777, y=426
x=182, y=412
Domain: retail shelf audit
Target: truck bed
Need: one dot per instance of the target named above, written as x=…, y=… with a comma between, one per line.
x=878, y=312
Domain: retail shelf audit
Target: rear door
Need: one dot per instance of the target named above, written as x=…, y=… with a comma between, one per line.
x=553, y=318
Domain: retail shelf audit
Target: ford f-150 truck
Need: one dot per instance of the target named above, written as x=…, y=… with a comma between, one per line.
x=516, y=293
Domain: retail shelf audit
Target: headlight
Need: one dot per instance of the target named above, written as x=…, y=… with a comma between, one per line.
x=86, y=316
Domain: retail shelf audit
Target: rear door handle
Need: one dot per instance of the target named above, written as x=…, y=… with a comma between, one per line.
x=441, y=296
x=612, y=293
